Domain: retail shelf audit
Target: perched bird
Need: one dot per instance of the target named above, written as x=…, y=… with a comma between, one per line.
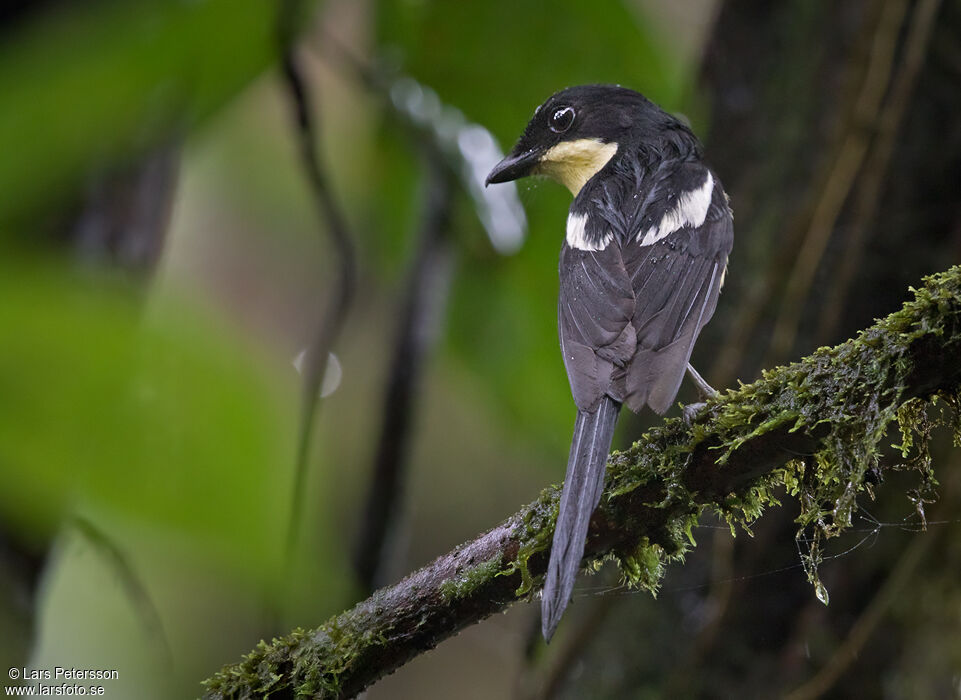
x=641, y=266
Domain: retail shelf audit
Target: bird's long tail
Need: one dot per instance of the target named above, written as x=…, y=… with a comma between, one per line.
x=582, y=491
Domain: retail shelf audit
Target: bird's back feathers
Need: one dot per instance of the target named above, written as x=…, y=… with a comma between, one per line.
x=629, y=312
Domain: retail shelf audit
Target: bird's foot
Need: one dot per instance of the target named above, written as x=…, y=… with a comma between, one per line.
x=689, y=412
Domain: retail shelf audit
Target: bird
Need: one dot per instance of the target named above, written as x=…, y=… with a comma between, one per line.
x=642, y=263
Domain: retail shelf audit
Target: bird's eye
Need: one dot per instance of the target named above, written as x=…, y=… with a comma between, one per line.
x=561, y=120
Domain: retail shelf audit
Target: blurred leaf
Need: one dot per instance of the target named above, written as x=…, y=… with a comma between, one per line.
x=172, y=421
x=487, y=59
x=89, y=83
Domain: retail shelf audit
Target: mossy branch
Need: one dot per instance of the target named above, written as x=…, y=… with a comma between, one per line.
x=814, y=427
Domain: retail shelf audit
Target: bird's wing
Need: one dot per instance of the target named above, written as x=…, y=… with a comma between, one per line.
x=675, y=257
x=595, y=307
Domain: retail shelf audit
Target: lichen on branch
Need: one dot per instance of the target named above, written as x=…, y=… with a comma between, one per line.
x=813, y=429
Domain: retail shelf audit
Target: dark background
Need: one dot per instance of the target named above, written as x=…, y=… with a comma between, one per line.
x=162, y=263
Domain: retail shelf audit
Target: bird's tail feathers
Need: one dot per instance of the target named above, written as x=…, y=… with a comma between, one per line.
x=590, y=446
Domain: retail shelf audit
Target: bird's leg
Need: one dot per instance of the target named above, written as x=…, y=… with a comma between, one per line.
x=703, y=388
x=706, y=390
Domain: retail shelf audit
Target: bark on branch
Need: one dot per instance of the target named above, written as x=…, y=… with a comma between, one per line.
x=814, y=427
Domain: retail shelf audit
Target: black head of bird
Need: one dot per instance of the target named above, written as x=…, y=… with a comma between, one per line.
x=642, y=263
x=578, y=130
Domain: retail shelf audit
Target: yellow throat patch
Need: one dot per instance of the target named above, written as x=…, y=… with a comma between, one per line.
x=573, y=163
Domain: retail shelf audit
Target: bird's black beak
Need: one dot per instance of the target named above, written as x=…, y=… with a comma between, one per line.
x=514, y=166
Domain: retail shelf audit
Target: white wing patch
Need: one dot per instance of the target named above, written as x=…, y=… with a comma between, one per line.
x=577, y=234
x=690, y=210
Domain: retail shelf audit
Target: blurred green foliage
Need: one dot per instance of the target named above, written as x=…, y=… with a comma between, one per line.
x=90, y=84
x=173, y=419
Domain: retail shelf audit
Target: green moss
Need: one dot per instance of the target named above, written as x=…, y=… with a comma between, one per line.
x=851, y=393
x=644, y=568
x=535, y=534
x=467, y=581
x=259, y=674
x=314, y=660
